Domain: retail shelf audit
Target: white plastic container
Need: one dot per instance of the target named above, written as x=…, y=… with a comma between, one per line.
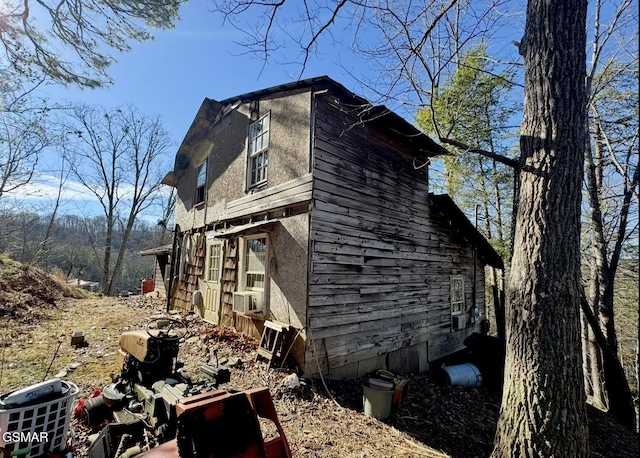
x=39, y=427
x=31, y=393
x=463, y=375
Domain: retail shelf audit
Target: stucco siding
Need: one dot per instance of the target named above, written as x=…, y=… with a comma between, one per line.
x=224, y=146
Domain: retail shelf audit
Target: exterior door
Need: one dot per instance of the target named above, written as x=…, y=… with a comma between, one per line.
x=213, y=270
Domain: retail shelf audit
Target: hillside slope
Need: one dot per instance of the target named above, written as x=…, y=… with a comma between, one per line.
x=458, y=421
x=26, y=291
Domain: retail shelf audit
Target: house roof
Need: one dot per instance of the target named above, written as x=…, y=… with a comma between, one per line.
x=373, y=115
x=411, y=139
x=203, y=120
x=464, y=228
x=402, y=133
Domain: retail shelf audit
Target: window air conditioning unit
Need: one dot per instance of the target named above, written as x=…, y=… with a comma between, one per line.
x=459, y=321
x=247, y=302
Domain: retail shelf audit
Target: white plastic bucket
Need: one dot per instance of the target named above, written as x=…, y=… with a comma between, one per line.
x=377, y=402
x=463, y=375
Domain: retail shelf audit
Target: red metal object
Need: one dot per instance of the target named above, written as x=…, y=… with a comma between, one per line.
x=148, y=285
x=220, y=424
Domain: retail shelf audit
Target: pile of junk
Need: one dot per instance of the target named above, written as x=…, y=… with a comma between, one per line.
x=153, y=409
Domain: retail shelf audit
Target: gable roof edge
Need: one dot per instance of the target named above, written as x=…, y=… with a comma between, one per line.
x=455, y=215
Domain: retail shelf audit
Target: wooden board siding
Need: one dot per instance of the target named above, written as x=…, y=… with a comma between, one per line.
x=284, y=195
x=229, y=281
x=381, y=259
x=193, y=270
x=159, y=285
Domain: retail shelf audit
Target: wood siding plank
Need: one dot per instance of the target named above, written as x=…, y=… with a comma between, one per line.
x=284, y=195
x=381, y=259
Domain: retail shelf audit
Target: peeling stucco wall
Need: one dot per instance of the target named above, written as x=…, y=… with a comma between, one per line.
x=225, y=148
x=288, y=271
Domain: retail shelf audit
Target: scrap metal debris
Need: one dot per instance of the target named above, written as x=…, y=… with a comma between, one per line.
x=138, y=410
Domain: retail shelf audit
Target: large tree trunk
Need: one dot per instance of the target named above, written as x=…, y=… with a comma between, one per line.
x=543, y=409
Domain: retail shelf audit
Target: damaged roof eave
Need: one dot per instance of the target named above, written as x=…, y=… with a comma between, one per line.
x=451, y=211
x=170, y=179
x=205, y=117
x=165, y=249
x=376, y=115
x=243, y=228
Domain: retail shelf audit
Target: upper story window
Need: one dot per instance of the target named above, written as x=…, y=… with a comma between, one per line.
x=258, y=149
x=201, y=182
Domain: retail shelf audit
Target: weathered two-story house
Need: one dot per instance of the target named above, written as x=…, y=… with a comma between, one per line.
x=305, y=205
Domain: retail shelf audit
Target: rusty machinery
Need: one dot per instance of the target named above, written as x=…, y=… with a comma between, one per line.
x=140, y=405
x=222, y=424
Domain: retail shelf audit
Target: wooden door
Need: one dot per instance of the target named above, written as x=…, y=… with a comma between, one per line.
x=213, y=269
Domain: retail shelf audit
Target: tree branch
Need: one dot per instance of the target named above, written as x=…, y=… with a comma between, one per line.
x=468, y=149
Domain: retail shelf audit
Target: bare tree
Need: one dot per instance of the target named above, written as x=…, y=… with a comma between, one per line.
x=41, y=254
x=23, y=136
x=612, y=175
x=69, y=42
x=168, y=205
x=116, y=155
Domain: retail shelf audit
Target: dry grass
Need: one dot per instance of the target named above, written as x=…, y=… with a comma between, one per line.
x=28, y=350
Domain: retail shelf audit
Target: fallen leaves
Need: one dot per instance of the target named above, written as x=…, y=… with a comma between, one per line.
x=433, y=420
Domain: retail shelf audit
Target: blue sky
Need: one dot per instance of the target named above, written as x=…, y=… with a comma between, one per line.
x=172, y=74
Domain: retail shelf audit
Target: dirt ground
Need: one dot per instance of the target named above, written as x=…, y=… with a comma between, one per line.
x=433, y=419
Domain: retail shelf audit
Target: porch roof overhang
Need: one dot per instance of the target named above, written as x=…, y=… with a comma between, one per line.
x=464, y=227
x=164, y=249
x=243, y=228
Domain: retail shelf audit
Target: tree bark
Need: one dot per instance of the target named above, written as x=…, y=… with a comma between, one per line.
x=543, y=410
x=592, y=356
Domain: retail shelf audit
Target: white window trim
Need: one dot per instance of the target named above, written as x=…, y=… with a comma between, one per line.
x=251, y=155
x=207, y=269
x=243, y=260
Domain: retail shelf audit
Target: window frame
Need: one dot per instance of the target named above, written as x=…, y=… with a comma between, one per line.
x=201, y=188
x=213, y=263
x=244, y=266
x=457, y=302
x=261, y=171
